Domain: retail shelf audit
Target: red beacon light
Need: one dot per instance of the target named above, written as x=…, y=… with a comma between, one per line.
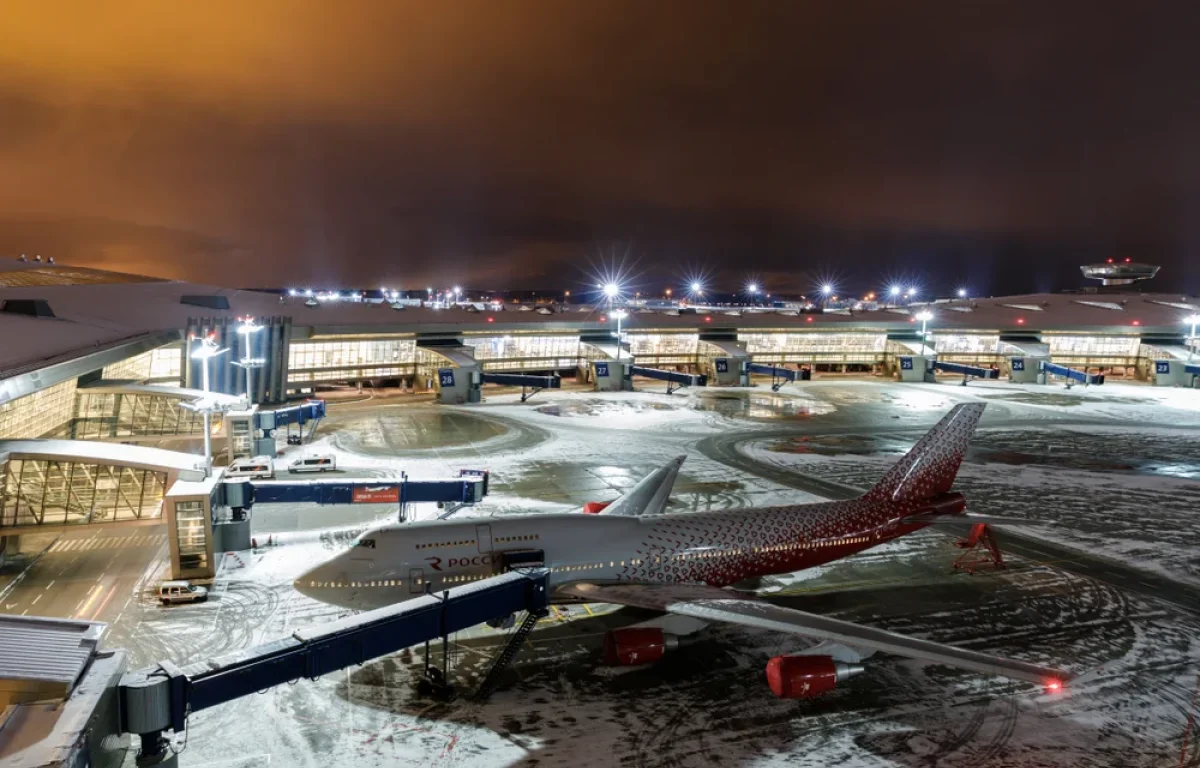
x=1137, y=322
x=708, y=318
x=491, y=319
x=808, y=319
x=1020, y=321
x=1053, y=686
x=1110, y=261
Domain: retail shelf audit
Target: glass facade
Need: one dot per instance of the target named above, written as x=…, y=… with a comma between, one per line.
x=312, y=362
x=815, y=347
x=191, y=535
x=163, y=365
x=519, y=352
x=664, y=348
x=104, y=415
x=43, y=414
x=45, y=492
x=1094, y=350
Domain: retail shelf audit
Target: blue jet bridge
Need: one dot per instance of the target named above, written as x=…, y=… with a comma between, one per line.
x=674, y=379
x=522, y=380
x=161, y=698
x=1071, y=374
x=779, y=375
x=311, y=411
x=967, y=371
x=468, y=488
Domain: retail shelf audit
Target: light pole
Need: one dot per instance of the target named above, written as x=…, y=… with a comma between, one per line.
x=248, y=363
x=206, y=351
x=1194, y=320
x=924, y=316
x=620, y=314
x=457, y=291
x=826, y=290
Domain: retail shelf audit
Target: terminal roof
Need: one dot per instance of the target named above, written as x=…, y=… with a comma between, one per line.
x=46, y=650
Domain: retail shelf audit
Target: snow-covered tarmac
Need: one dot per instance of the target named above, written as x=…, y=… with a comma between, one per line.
x=1115, y=466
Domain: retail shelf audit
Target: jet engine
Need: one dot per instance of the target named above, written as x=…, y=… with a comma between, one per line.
x=637, y=645
x=804, y=677
x=594, y=507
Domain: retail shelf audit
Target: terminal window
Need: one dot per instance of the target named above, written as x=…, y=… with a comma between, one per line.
x=190, y=534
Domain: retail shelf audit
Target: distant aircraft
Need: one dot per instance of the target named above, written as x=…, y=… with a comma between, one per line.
x=629, y=553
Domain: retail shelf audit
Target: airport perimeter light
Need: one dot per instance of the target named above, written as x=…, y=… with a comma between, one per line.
x=962, y=293
x=1194, y=320
x=620, y=314
x=205, y=352
x=248, y=363
x=697, y=289
x=924, y=316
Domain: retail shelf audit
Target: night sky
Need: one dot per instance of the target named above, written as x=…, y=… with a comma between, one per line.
x=505, y=144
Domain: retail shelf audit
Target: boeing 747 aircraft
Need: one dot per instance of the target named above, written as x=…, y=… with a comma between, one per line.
x=682, y=565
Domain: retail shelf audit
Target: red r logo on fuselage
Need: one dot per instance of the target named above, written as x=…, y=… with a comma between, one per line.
x=434, y=562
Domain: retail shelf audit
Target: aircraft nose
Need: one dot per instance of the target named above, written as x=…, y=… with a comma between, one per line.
x=315, y=582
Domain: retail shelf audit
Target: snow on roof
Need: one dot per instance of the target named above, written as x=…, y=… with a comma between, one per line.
x=188, y=466
x=165, y=390
x=91, y=316
x=46, y=650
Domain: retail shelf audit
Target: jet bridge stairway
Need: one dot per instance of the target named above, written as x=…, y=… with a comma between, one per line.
x=517, y=639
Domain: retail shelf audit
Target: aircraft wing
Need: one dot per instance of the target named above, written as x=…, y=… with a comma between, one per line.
x=713, y=604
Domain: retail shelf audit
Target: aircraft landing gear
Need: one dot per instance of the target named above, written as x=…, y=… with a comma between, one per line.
x=982, y=550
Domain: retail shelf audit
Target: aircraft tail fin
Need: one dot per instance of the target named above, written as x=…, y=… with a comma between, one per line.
x=650, y=495
x=930, y=467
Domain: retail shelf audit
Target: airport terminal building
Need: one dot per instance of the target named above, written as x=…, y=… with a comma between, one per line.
x=96, y=362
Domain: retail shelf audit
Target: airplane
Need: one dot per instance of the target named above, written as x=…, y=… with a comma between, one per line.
x=683, y=566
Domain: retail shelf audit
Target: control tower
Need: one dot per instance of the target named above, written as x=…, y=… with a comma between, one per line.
x=1113, y=272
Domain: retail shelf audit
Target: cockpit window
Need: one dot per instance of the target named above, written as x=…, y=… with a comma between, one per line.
x=368, y=543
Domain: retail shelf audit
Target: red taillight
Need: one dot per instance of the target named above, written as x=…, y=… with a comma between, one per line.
x=1053, y=685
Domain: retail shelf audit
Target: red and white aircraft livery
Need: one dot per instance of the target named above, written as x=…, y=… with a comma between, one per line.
x=630, y=553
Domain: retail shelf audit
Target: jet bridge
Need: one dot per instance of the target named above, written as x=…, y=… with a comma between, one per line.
x=161, y=697
x=779, y=376
x=468, y=488
x=967, y=371
x=524, y=381
x=674, y=379
x=1070, y=374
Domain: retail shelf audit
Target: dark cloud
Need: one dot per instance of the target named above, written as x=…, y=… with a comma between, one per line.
x=468, y=142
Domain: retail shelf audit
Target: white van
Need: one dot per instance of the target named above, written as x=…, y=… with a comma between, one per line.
x=259, y=467
x=181, y=592
x=322, y=463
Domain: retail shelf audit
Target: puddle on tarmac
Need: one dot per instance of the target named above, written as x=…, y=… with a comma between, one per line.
x=411, y=429
x=1059, y=399
x=738, y=405
x=759, y=405
x=599, y=407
